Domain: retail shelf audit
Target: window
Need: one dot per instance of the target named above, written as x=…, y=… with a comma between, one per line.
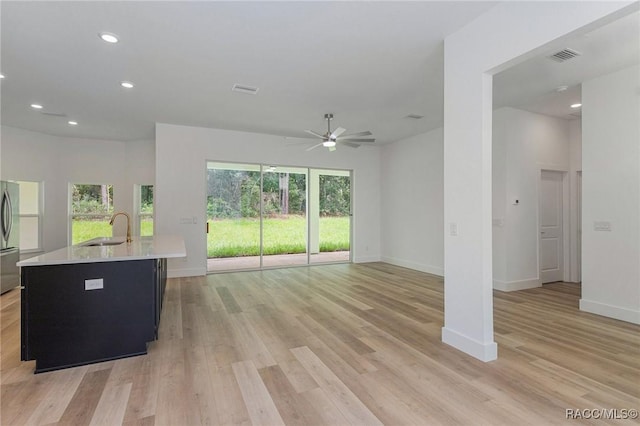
x=30, y=206
x=91, y=209
x=145, y=210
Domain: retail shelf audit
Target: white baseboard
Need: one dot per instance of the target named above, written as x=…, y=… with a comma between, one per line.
x=516, y=285
x=483, y=351
x=179, y=273
x=611, y=311
x=429, y=269
x=366, y=259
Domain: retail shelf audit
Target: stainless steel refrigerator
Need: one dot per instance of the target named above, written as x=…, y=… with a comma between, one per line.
x=9, y=236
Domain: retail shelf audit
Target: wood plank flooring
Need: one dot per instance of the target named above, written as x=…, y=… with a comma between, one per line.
x=335, y=345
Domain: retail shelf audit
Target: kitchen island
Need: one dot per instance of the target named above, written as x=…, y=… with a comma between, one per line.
x=94, y=301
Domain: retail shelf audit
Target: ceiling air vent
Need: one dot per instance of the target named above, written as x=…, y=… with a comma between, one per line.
x=415, y=116
x=244, y=89
x=564, y=55
x=54, y=114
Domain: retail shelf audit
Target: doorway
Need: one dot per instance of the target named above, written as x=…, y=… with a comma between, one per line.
x=579, y=226
x=551, y=215
x=266, y=216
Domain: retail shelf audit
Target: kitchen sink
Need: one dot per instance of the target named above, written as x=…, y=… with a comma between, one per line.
x=104, y=243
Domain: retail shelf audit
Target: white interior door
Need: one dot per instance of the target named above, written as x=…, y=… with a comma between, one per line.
x=551, y=227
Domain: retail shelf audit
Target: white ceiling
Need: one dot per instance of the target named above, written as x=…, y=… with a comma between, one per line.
x=532, y=84
x=369, y=63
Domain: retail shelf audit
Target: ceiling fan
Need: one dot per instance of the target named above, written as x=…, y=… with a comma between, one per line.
x=332, y=138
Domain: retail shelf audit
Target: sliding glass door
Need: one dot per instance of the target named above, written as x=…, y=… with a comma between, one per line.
x=233, y=216
x=284, y=216
x=330, y=216
x=270, y=216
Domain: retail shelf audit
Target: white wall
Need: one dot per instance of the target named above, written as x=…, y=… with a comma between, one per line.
x=524, y=143
x=181, y=155
x=575, y=173
x=412, y=203
x=495, y=40
x=611, y=193
x=57, y=161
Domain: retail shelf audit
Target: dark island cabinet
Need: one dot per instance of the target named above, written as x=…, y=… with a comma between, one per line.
x=81, y=313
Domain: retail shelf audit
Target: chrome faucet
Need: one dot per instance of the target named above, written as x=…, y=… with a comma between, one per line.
x=128, y=223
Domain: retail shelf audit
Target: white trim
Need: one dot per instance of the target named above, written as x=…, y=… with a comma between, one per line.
x=553, y=167
x=429, y=269
x=366, y=259
x=566, y=227
x=611, y=311
x=516, y=285
x=483, y=351
x=186, y=272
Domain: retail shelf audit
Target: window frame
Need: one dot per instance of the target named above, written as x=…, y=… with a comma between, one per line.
x=139, y=215
x=72, y=215
x=39, y=215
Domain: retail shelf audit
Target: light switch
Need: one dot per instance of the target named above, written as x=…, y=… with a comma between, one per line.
x=453, y=229
x=602, y=226
x=95, y=284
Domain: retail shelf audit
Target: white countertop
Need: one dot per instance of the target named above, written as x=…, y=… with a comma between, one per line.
x=157, y=247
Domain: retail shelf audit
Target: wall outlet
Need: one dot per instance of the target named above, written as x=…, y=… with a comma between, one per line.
x=95, y=284
x=453, y=229
x=602, y=226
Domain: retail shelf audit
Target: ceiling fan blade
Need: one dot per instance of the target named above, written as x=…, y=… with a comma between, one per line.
x=317, y=135
x=350, y=144
x=337, y=132
x=355, y=135
x=313, y=147
x=357, y=140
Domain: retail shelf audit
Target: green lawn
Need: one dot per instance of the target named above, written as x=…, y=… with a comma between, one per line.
x=84, y=230
x=241, y=237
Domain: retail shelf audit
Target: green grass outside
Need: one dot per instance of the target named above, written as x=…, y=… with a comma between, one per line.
x=241, y=237
x=83, y=230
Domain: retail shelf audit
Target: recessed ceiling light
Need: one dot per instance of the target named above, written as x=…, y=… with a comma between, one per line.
x=36, y=106
x=126, y=84
x=576, y=105
x=73, y=123
x=109, y=37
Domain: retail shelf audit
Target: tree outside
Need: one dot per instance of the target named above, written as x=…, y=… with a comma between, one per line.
x=91, y=209
x=233, y=212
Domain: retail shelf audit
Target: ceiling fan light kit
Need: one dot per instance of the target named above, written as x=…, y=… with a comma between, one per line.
x=332, y=138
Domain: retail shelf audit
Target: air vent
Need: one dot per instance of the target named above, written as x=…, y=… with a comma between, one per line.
x=564, y=55
x=415, y=116
x=54, y=114
x=244, y=89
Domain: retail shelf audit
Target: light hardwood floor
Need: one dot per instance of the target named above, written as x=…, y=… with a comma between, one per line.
x=338, y=344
